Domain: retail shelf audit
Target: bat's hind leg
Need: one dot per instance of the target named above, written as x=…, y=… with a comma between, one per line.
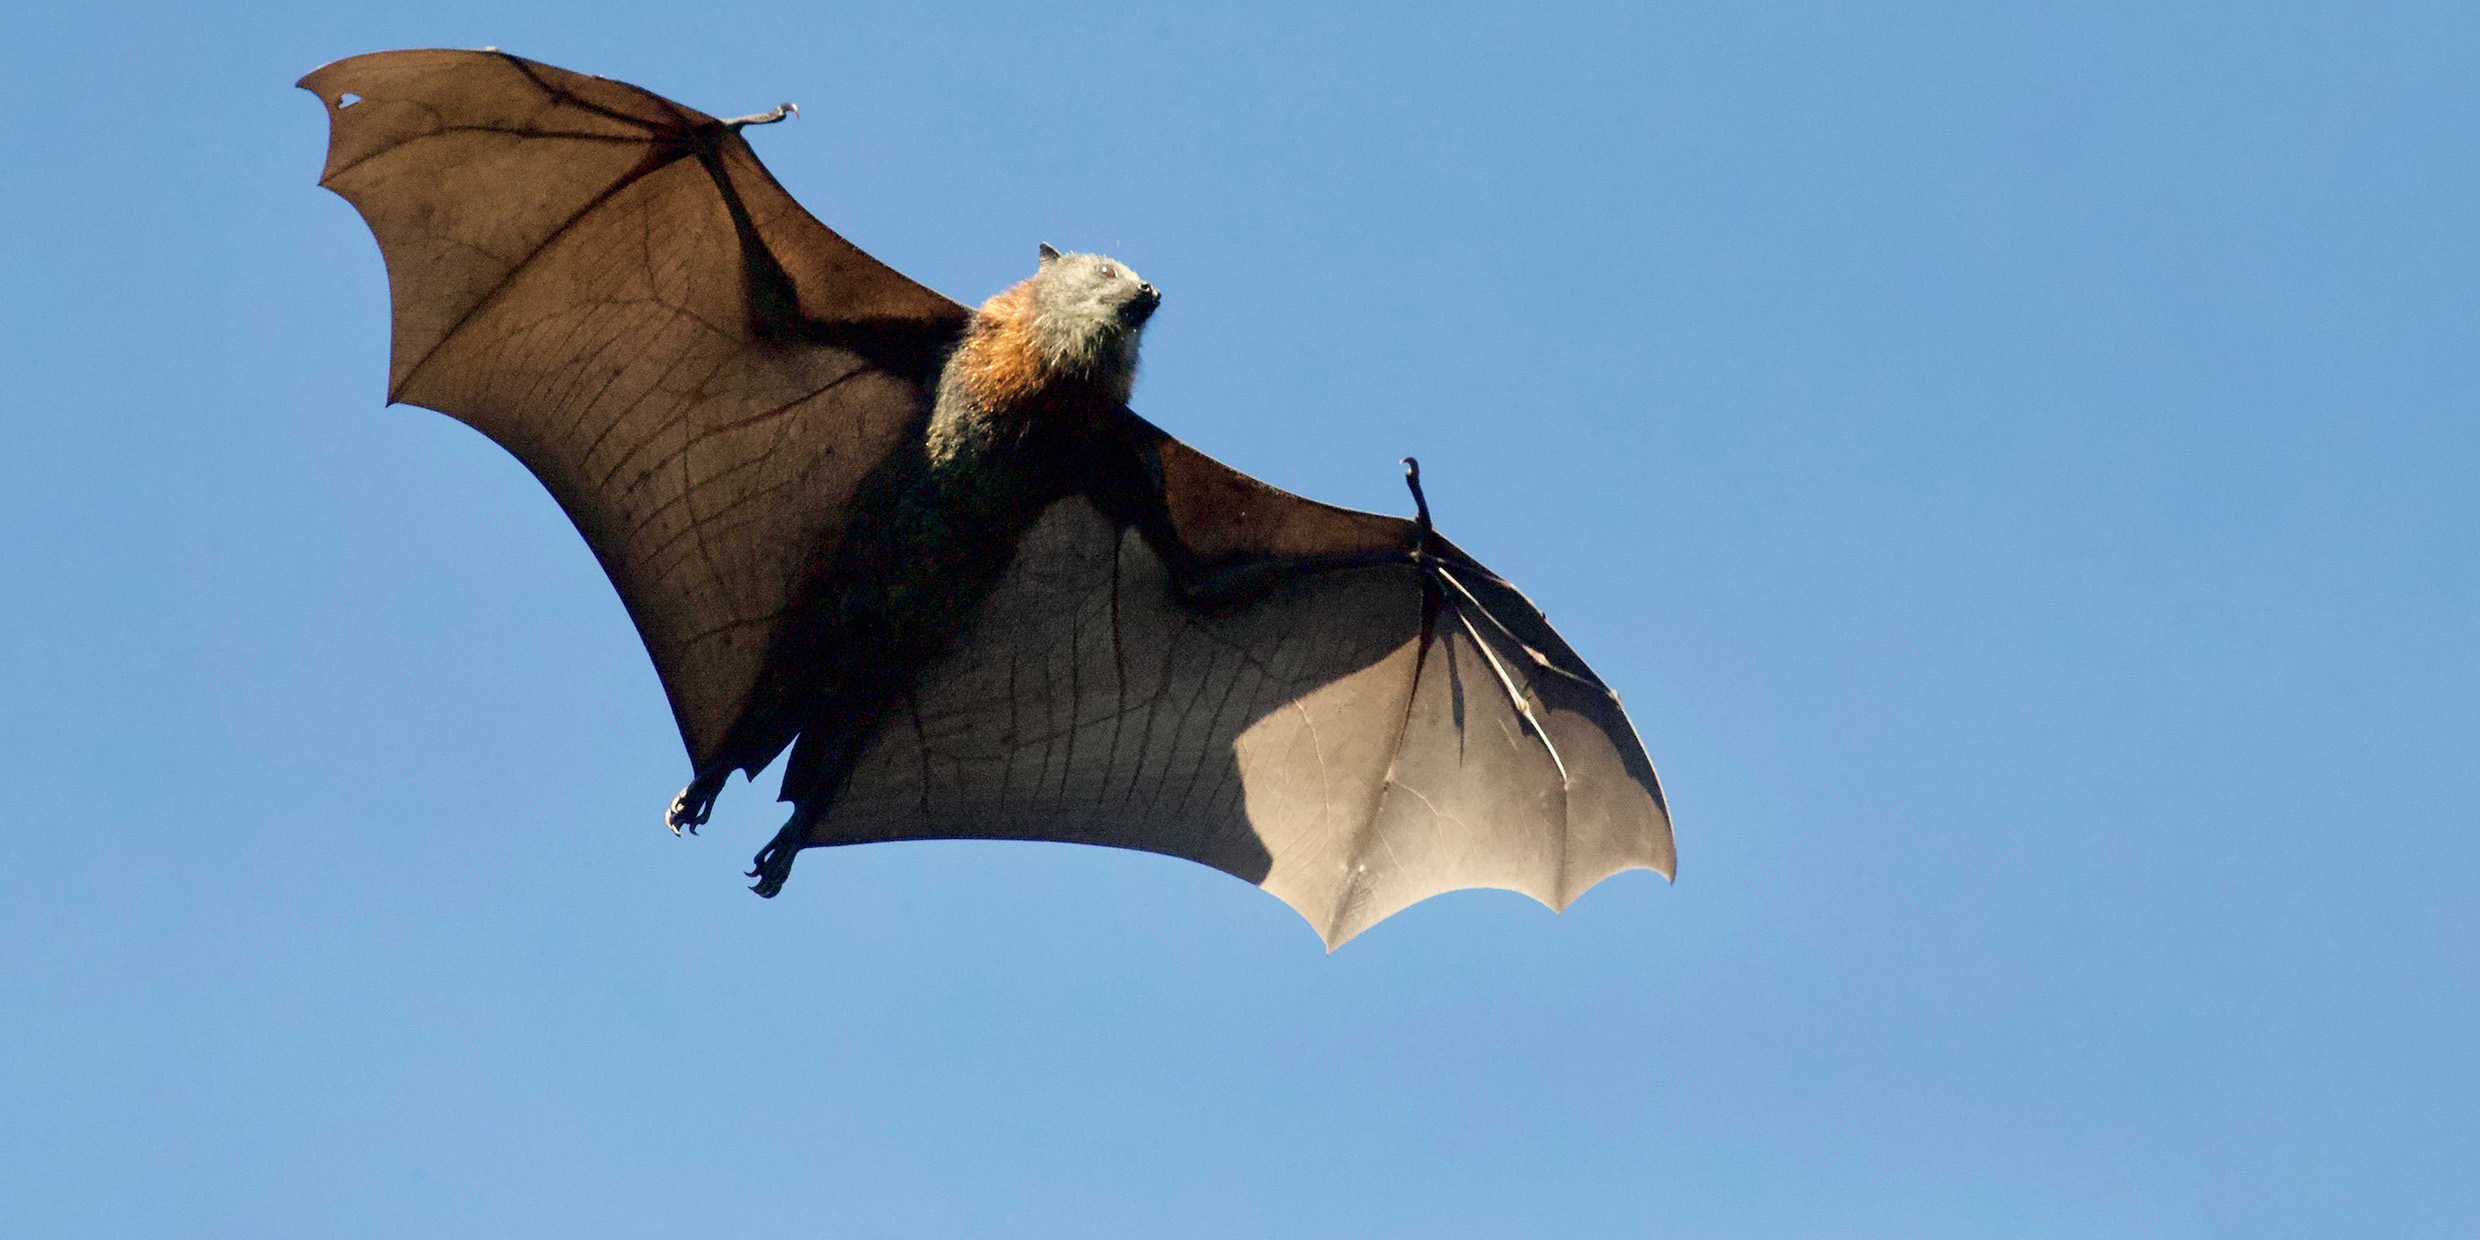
x=774, y=862
x=695, y=802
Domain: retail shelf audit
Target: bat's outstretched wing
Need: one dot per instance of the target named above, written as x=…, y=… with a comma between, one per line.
x=610, y=286
x=1337, y=706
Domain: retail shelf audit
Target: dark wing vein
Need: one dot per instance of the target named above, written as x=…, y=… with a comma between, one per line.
x=656, y=160
x=779, y=410
x=562, y=95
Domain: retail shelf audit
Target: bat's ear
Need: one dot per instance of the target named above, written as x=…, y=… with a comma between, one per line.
x=1049, y=255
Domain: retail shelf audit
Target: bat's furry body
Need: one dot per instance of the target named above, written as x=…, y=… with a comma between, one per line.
x=1020, y=402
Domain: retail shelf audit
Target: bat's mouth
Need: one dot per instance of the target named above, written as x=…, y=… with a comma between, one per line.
x=1139, y=308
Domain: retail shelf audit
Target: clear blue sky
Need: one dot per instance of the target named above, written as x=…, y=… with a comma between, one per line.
x=2018, y=462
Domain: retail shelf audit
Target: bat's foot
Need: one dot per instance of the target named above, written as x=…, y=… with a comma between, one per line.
x=694, y=803
x=774, y=862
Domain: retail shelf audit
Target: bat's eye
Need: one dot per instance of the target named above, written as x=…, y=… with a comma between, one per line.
x=1110, y=273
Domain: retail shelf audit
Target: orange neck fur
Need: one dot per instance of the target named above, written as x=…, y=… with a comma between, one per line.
x=1000, y=364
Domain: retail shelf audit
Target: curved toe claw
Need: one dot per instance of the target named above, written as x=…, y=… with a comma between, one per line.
x=773, y=864
x=690, y=808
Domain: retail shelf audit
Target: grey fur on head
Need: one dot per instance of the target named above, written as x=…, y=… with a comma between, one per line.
x=1088, y=311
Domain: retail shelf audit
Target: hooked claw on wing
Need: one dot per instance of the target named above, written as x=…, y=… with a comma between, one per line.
x=768, y=117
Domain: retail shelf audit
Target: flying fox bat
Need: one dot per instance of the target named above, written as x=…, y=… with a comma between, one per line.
x=929, y=548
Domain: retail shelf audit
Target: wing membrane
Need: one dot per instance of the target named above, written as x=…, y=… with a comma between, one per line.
x=580, y=270
x=1353, y=739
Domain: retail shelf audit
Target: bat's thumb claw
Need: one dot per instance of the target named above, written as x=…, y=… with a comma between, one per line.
x=769, y=117
x=1412, y=478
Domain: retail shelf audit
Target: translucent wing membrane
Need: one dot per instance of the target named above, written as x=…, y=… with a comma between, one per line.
x=567, y=259
x=1354, y=739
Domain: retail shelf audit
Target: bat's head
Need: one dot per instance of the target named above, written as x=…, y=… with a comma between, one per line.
x=1088, y=310
x=1074, y=323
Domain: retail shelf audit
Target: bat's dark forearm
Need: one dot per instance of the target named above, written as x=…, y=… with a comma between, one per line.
x=1125, y=480
x=904, y=346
